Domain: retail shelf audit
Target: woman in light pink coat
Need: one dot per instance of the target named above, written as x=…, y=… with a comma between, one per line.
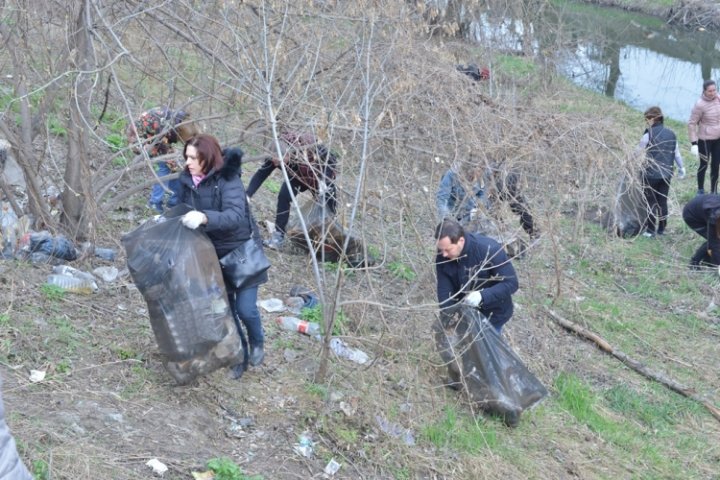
x=704, y=133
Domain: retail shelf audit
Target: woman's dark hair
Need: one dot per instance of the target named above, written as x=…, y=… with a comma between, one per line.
x=208, y=150
x=451, y=229
x=707, y=83
x=655, y=114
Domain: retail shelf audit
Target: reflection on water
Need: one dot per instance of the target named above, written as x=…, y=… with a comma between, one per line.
x=631, y=57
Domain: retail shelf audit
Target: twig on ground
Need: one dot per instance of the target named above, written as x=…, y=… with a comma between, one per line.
x=634, y=364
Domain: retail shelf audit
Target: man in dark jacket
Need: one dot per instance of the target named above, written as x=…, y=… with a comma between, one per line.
x=702, y=214
x=474, y=269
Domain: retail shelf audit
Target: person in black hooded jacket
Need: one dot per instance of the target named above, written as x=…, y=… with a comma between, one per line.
x=211, y=185
x=702, y=214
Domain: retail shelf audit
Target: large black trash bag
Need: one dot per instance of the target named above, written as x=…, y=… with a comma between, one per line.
x=629, y=208
x=495, y=377
x=327, y=236
x=177, y=271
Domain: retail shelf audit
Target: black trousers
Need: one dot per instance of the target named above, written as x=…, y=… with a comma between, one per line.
x=656, y=196
x=282, y=211
x=709, y=153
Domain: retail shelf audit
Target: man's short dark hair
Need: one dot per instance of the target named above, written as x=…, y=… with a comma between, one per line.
x=451, y=229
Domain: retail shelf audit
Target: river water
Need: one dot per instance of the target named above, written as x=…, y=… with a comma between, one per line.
x=634, y=58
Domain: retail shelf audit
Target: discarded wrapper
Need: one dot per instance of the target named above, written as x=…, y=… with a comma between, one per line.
x=158, y=467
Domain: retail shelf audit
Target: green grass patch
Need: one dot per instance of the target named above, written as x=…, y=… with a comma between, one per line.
x=459, y=432
x=273, y=186
x=402, y=271
x=226, y=469
x=515, y=66
x=52, y=292
x=317, y=390
x=577, y=399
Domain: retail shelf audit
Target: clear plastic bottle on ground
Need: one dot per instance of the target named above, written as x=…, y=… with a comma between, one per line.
x=72, y=284
x=302, y=326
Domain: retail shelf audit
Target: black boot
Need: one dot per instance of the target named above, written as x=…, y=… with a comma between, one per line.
x=236, y=371
x=257, y=354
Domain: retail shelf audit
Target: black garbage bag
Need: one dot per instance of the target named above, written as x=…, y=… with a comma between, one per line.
x=479, y=360
x=327, y=236
x=177, y=272
x=629, y=207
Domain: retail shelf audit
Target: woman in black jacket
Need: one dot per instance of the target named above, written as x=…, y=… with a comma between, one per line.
x=702, y=214
x=211, y=185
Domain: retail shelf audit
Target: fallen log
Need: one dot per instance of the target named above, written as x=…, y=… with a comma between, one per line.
x=603, y=344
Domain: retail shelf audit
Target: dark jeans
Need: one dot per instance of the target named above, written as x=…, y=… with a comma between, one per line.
x=243, y=304
x=158, y=192
x=709, y=150
x=656, y=196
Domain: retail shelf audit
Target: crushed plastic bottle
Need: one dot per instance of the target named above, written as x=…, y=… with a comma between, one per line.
x=76, y=280
x=304, y=446
x=72, y=284
x=342, y=350
x=297, y=325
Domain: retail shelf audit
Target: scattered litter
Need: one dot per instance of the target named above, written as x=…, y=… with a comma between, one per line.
x=272, y=305
x=72, y=284
x=304, y=446
x=158, y=467
x=342, y=350
x=395, y=430
x=105, y=253
x=209, y=475
x=37, y=375
x=295, y=324
x=107, y=274
x=72, y=279
x=44, y=242
x=295, y=304
x=347, y=409
x=306, y=294
x=332, y=467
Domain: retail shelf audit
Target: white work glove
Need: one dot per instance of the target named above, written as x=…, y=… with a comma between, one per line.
x=681, y=173
x=193, y=219
x=474, y=299
x=694, y=151
x=322, y=188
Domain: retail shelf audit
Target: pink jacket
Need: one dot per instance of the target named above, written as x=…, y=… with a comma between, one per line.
x=704, y=123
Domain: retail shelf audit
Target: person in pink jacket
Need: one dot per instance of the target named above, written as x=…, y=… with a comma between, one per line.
x=704, y=133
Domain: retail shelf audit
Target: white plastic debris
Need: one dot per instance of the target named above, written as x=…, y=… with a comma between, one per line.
x=342, y=350
x=37, y=375
x=332, y=467
x=272, y=305
x=158, y=467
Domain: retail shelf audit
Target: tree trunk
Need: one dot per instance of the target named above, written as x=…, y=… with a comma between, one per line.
x=79, y=207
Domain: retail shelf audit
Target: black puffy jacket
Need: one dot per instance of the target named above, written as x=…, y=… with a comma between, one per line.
x=221, y=197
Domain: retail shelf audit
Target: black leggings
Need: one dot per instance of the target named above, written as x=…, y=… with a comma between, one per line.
x=282, y=211
x=709, y=150
x=656, y=195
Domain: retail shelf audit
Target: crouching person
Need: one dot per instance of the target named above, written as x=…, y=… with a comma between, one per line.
x=311, y=166
x=473, y=270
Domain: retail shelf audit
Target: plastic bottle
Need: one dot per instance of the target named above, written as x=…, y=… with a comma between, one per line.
x=352, y=354
x=72, y=284
x=105, y=253
x=302, y=326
